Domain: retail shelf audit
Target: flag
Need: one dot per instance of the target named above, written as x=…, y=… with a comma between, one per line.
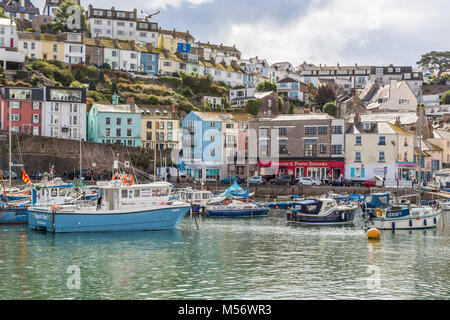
x=25, y=178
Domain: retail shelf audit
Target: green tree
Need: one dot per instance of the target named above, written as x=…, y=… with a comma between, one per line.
x=330, y=108
x=323, y=95
x=439, y=60
x=266, y=86
x=280, y=104
x=76, y=84
x=445, y=99
x=92, y=85
x=252, y=106
x=67, y=17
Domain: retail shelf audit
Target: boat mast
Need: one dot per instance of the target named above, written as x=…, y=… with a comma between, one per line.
x=80, y=159
x=420, y=148
x=10, y=154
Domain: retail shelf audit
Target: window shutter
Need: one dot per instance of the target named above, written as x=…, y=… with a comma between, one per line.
x=363, y=172
x=352, y=172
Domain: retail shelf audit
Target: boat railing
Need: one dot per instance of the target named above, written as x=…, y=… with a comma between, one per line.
x=84, y=204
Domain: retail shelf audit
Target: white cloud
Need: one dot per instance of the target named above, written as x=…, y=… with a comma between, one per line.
x=329, y=30
x=163, y=4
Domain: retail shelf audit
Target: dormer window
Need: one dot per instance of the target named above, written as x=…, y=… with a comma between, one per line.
x=367, y=125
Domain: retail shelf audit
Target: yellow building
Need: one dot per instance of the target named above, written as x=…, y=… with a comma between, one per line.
x=169, y=63
x=52, y=49
x=159, y=127
x=172, y=39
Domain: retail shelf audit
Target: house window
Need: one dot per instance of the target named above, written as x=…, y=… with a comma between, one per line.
x=323, y=130
x=357, y=156
x=310, y=148
x=358, y=140
x=403, y=101
x=149, y=135
x=310, y=130
x=14, y=105
x=381, y=156
x=336, y=130
x=283, y=146
x=382, y=141
x=169, y=136
x=108, y=120
x=129, y=121
x=323, y=148
x=282, y=131
x=36, y=105
x=128, y=132
x=118, y=132
x=107, y=132
x=336, y=149
x=169, y=125
x=149, y=124
x=119, y=121
x=212, y=124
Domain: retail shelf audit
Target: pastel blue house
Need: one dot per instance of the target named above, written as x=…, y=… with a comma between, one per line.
x=202, y=145
x=115, y=124
x=149, y=62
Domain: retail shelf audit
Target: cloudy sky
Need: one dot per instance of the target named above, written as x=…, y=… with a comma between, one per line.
x=374, y=32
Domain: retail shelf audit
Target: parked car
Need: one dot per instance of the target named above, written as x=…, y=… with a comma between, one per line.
x=256, y=180
x=6, y=175
x=85, y=174
x=269, y=178
x=227, y=180
x=373, y=182
x=284, y=180
x=306, y=181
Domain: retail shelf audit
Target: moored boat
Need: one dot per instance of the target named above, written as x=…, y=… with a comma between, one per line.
x=236, y=208
x=322, y=212
x=119, y=207
x=198, y=198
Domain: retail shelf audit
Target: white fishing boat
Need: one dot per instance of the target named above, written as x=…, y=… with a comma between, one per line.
x=198, y=198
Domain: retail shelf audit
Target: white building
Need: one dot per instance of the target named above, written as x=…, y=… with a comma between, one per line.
x=74, y=48
x=124, y=25
x=10, y=58
x=64, y=113
x=239, y=97
x=394, y=97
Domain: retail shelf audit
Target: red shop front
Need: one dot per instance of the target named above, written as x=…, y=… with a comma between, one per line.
x=314, y=169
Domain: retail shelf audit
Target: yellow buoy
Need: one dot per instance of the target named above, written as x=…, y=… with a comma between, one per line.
x=373, y=233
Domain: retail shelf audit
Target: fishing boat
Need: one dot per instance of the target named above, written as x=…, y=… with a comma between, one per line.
x=198, y=198
x=354, y=197
x=236, y=208
x=121, y=206
x=383, y=214
x=340, y=198
x=322, y=212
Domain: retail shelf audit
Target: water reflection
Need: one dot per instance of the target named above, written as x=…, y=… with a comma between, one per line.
x=225, y=259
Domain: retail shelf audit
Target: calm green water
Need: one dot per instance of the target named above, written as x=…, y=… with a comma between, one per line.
x=227, y=259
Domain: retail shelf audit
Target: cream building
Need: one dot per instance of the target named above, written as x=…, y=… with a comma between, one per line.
x=379, y=149
x=159, y=127
x=394, y=97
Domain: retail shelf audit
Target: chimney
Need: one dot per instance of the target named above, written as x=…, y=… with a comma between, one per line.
x=397, y=122
x=357, y=119
x=130, y=101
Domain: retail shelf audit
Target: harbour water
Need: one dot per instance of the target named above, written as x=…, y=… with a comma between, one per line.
x=261, y=258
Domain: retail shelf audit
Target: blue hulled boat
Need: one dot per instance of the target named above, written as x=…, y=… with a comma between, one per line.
x=119, y=207
x=13, y=214
x=322, y=212
x=237, y=209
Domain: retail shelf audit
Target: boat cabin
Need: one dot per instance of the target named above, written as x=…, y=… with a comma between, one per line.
x=116, y=196
x=377, y=200
x=315, y=207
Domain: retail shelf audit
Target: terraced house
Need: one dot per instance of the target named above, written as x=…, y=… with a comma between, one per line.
x=51, y=6
x=175, y=41
x=122, y=24
x=19, y=9
x=115, y=123
x=160, y=128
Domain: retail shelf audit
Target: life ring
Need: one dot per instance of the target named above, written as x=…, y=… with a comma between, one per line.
x=128, y=180
x=378, y=213
x=116, y=177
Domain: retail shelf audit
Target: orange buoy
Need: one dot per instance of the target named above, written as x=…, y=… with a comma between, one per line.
x=373, y=233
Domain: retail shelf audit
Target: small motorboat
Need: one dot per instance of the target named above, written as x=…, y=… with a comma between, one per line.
x=382, y=214
x=236, y=208
x=324, y=211
x=198, y=198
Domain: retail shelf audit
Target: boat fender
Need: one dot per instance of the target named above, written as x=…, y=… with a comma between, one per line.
x=343, y=215
x=435, y=220
x=425, y=222
x=393, y=225
x=410, y=223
